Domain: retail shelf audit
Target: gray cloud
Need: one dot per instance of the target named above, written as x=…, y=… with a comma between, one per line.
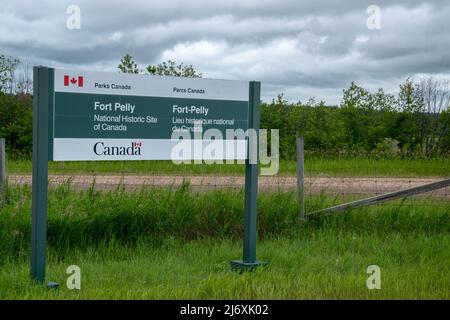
x=301, y=48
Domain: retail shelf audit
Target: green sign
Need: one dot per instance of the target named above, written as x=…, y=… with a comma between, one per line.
x=113, y=116
x=110, y=116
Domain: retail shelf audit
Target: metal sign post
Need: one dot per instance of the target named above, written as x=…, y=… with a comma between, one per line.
x=249, y=261
x=42, y=104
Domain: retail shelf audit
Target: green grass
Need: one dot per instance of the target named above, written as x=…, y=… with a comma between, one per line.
x=313, y=166
x=162, y=244
x=325, y=266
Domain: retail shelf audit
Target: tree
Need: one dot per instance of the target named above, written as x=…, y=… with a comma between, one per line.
x=445, y=142
x=409, y=99
x=409, y=120
x=356, y=96
x=16, y=114
x=359, y=97
x=8, y=67
x=166, y=68
x=171, y=68
x=24, y=83
x=435, y=96
x=127, y=64
x=383, y=101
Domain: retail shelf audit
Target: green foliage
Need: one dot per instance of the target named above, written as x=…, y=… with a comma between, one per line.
x=364, y=121
x=360, y=98
x=166, y=68
x=357, y=97
x=171, y=68
x=409, y=99
x=343, y=131
x=127, y=65
x=388, y=148
x=445, y=123
x=8, y=66
x=16, y=124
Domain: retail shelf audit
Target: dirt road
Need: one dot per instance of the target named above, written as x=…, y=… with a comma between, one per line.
x=313, y=184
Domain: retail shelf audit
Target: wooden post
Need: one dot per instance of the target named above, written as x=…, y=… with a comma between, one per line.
x=300, y=176
x=2, y=171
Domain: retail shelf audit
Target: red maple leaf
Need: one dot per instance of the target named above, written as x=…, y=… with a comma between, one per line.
x=73, y=80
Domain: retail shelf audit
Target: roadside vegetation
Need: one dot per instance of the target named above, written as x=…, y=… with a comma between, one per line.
x=314, y=165
x=158, y=243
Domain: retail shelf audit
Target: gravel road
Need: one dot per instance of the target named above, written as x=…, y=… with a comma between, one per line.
x=313, y=184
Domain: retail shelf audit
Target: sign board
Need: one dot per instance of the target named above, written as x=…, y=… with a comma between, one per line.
x=79, y=115
x=113, y=116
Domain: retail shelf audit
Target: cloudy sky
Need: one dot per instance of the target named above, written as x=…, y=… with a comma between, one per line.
x=300, y=48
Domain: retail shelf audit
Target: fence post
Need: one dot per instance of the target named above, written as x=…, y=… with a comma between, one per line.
x=2, y=171
x=300, y=176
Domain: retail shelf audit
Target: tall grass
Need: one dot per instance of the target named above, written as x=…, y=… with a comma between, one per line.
x=90, y=218
x=160, y=243
x=358, y=166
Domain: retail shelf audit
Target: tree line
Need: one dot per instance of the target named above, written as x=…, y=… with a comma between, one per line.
x=414, y=123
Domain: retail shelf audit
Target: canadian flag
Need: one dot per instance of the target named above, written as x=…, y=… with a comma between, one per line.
x=73, y=81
